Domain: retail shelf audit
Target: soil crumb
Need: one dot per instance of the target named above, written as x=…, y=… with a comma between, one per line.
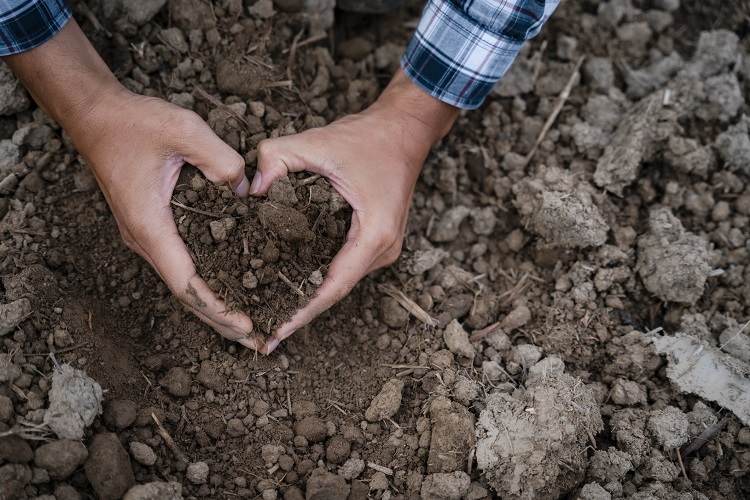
x=264, y=256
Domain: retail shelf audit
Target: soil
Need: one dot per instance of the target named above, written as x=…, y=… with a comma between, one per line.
x=582, y=326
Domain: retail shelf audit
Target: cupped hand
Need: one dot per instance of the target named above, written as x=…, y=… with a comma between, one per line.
x=373, y=160
x=136, y=147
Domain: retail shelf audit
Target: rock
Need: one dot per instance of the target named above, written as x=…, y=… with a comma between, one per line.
x=452, y=436
x=593, y=491
x=627, y=392
x=672, y=262
x=13, y=96
x=210, y=376
x=60, y=458
x=379, y=482
x=392, y=313
x=142, y=453
x=352, y=468
x=735, y=341
x=311, y=428
x=548, y=367
x=177, y=381
x=448, y=224
x=424, y=260
x=34, y=135
x=483, y=220
x=733, y=146
x=465, y=390
x=13, y=478
x=322, y=485
x=338, y=449
x=222, y=228
x=108, y=467
x=139, y=12
x=442, y=486
x=120, y=414
x=610, y=465
x=262, y=9
x=387, y=402
x=9, y=371
x=66, y=492
x=13, y=449
x=568, y=220
x=175, y=39
x=12, y=314
x=10, y=155
x=670, y=427
x=75, y=400
x=197, y=473
x=600, y=73
x=552, y=419
x=6, y=408
x=457, y=340
x=155, y=491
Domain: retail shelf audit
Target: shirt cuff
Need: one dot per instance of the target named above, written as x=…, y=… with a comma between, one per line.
x=26, y=24
x=462, y=48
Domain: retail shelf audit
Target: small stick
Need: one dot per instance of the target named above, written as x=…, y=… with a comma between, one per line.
x=308, y=180
x=704, y=437
x=308, y=41
x=409, y=305
x=291, y=285
x=553, y=116
x=292, y=52
x=169, y=441
x=380, y=468
x=196, y=210
x=288, y=395
x=481, y=334
x=682, y=466
x=282, y=83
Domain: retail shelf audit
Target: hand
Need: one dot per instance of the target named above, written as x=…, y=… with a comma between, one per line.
x=373, y=160
x=136, y=147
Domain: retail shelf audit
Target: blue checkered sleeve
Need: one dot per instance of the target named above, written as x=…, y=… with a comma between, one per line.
x=461, y=48
x=25, y=24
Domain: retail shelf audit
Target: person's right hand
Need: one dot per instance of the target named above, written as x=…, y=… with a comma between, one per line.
x=136, y=146
x=373, y=160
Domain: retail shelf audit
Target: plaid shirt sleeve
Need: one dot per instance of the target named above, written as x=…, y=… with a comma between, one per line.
x=461, y=48
x=25, y=24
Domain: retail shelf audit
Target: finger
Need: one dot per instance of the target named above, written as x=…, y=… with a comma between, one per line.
x=355, y=259
x=294, y=153
x=166, y=252
x=218, y=162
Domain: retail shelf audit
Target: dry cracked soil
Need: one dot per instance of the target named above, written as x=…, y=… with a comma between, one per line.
x=576, y=322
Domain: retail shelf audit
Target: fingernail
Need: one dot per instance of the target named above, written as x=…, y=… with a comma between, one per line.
x=272, y=344
x=255, y=186
x=243, y=188
x=248, y=342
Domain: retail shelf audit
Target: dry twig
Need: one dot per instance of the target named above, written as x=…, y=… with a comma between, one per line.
x=169, y=441
x=409, y=305
x=553, y=116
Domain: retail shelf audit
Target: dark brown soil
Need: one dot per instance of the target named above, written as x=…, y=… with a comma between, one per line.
x=267, y=256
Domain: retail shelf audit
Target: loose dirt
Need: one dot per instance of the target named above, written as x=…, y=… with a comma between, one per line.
x=582, y=334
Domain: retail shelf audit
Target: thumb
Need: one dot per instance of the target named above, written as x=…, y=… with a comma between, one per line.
x=218, y=162
x=280, y=156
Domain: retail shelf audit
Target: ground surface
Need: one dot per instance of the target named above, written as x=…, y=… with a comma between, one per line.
x=632, y=215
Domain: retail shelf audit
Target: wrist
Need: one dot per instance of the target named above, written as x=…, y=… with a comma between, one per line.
x=431, y=118
x=67, y=78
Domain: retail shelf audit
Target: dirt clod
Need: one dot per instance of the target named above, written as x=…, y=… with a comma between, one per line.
x=108, y=467
x=60, y=458
x=75, y=400
x=387, y=402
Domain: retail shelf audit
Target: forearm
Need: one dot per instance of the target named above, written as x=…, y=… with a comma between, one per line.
x=65, y=76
